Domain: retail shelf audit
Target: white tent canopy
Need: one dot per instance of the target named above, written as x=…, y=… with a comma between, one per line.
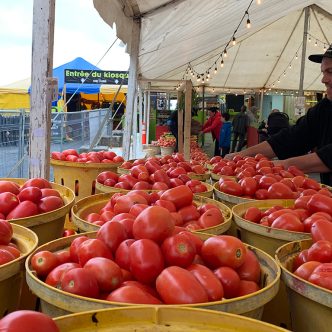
x=177, y=33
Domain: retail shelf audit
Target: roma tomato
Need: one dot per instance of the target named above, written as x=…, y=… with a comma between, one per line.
x=43, y=262
x=176, y=285
x=250, y=269
x=253, y=214
x=73, y=249
x=132, y=294
x=178, y=250
x=188, y=213
x=320, y=203
x=223, y=250
x=9, y=186
x=122, y=254
x=14, y=251
x=55, y=276
x=322, y=276
x=8, y=201
x=208, y=280
x=107, y=273
x=5, y=256
x=37, y=182
x=320, y=251
x=195, y=240
x=146, y=260
x=23, y=210
x=154, y=223
x=6, y=232
x=50, y=203
x=288, y=221
x=321, y=229
x=112, y=233
x=231, y=188
x=181, y=196
x=304, y=271
x=230, y=281
x=27, y=321
x=249, y=186
x=210, y=218
x=279, y=190
x=92, y=248
x=81, y=282
x=247, y=287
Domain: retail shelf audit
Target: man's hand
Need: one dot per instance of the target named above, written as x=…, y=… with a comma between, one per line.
x=230, y=156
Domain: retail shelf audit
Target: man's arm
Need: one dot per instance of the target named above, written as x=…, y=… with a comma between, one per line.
x=263, y=148
x=308, y=163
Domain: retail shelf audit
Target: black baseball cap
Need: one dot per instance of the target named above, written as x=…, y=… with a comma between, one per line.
x=319, y=57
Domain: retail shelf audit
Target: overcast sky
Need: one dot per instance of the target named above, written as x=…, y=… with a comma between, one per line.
x=79, y=32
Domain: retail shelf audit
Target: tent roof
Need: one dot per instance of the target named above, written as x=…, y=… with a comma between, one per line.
x=175, y=33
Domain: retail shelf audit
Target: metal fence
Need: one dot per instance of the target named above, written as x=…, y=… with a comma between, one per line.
x=74, y=130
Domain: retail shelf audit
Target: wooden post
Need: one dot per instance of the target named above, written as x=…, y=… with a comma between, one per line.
x=134, y=154
x=148, y=112
x=140, y=119
x=304, y=48
x=132, y=82
x=187, y=119
x=180, y=125
x=41, y=88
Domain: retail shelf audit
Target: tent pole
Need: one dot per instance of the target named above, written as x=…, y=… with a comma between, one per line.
x=140, y=116
x=304, y=48
x=187, y=119
x=132, y=86
x=148, y=111
x=261, y=106
x=134, y=154
x=180, y=124
x=41, y=88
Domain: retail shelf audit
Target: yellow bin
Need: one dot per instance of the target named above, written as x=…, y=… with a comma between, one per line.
x=12, y=273
x=48, y=226
x=95, y=202
x=163, y=319
x=100, y=188
x=310, y=305
x=55, y=302
x=79, y=177
x=268, y=239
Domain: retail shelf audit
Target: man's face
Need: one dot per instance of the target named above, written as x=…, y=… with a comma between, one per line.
x=326, y=69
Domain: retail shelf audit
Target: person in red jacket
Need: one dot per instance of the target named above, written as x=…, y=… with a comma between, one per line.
x=213, y=126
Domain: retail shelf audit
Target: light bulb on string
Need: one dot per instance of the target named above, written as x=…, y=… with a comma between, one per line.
x=278, y=80
x=208, y=74
x=296, y=56
x=284, y=73
x=258, y=2
x=234, y=40
x=290, y=66
x=324, y=47
x=198, y=78
x=215, y=69
x=222, y=63
x=203, y=80
x=248, y=20
x=309, y=40
x=225, y=53
x=316, y=43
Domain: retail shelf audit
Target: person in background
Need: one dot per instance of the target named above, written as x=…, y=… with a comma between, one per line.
x=173, y=127
x=276, y=122
x=308, y=144
x=262, y=132
x=213, y=126
x=225, y=135
x=252, y=130
x=240, y=125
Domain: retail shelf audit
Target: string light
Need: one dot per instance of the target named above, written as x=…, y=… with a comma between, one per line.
x=225, y=53
x=296, y=56
x=316, y=43
x=248, y=20
x=222, y=63
x=215, y=69
x=234, y=41
x=258, y=2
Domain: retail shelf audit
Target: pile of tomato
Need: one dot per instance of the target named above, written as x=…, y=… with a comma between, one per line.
x=35, y=196
x=299, y=218
x=166, y=140
x=73, y=155
x=155, y=174
x=315, y=263
x=8, y=250
x=125, y=208
x=196, y=153
x=155, y=265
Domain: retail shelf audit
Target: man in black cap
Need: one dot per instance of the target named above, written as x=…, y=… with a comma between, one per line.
x=308, y=144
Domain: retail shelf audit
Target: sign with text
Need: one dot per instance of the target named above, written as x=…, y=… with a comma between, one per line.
x=96, y=76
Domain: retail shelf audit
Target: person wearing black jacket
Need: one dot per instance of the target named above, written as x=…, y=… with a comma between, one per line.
x=308, y=144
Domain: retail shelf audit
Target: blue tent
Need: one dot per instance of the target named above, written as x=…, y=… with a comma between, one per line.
x=78, y=63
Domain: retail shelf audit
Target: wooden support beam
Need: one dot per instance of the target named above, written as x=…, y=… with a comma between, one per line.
x=187, y=119
x=132, y=83
x=180, y=125
x=41, y=88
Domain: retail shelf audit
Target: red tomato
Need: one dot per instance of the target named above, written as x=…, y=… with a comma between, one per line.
x=74, y=247
x=288, y=221
x=124, y=203
x=320, y=203
x=301, y=202
x=27, y=321
x=8, y=201
x=6, y=232
x=273, y=215
x=322, y=276
x=5, y=256
x=266, y=181
x=118, y=159
x=247, y=287
x=253, y=214
x=320, y=251
x=176, y=285
x=170, y=206
x=231, y=188
x=36, y=182
x=107, y=273
x=196, y=240
x=210, y=218
x=68, y=232
x=92, y=217
x=301, y=258
x=92, y=248
x=321, y=229
x=155, y=223
x=9, y=186
x=146, y=260
x=55, y=276
x=208, y=280
x=50, y=203
x=101, y=177
x=23, y=210
x=311, y=184
x=132, y=294
x=63, y=256
x=250, y=269
x=188, y=213
x=279, y=190
x=43, y=262
x=304, y=271
x=223, y=250
x=122, y=254
x=261, y=194
x=181, y=196
x=230, y=281
x=249, y=186
x=14, y=251
x=178, y=250
x=112, y=234
x=81, y=282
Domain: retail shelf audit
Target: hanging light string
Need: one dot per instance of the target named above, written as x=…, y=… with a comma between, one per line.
x=319, y=42
x=206, y=76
